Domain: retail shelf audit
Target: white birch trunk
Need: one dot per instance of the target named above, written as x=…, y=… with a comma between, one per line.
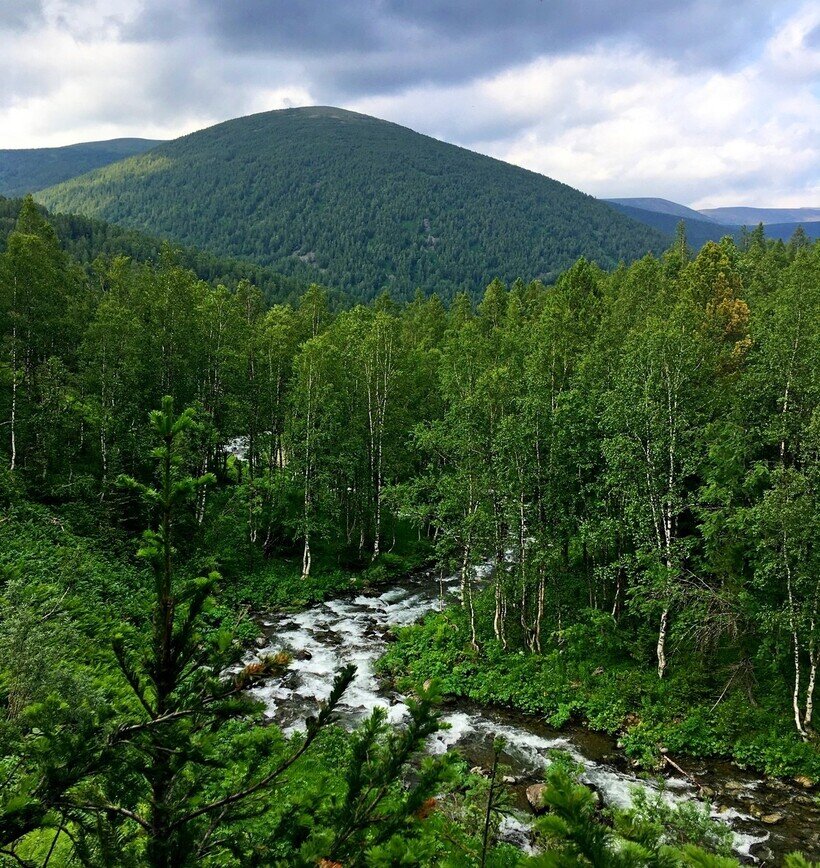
x=796, y=646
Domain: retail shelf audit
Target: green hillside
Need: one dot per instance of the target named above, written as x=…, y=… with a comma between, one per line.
x=355, y=202
x=25, y=170
x=86, y=239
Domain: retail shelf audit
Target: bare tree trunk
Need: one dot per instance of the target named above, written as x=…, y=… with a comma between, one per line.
x=617, y=598
x=306, y=558
x=14, y=397
x=796, y=645
x=473, y=638
x=201, y=495
x=814, y=654
x=787, y=389
x=540, y=611
x=377, y=530
x=465, y=562
x=662, y=641
x=500, y=609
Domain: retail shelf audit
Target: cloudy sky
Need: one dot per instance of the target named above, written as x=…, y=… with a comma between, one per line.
x=707, y=102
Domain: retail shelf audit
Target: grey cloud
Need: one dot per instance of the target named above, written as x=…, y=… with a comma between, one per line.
x=18, y=15
x=380, y=46
x=812, y=38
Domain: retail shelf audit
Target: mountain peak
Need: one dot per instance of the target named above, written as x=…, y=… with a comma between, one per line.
x=342, y=198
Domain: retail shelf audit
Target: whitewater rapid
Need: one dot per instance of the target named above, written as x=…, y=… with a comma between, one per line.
x=328, y=635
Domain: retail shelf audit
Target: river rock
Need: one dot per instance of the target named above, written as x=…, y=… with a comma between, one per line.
x=477, y=770
x=304, y=654
x=290, y=680
x=763, y=854
x=803, y=781
x=535, y=793
x=261, y=642
x=509, y=779
x=771, y=819
x=777, y=786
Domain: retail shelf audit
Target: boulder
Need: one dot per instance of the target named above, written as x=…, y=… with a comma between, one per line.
x=771, y=819
x=535, y=794
x=804, y=781
x=261, y=642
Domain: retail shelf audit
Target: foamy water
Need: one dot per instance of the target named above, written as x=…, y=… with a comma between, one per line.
x=329, y=635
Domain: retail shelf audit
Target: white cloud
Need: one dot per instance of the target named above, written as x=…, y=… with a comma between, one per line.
x=609, y=118
x=628, y=124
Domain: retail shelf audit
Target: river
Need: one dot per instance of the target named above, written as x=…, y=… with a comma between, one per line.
x=327, y=635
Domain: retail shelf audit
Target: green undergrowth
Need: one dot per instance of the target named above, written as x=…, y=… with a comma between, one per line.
x=592, y=676
x=278, y=585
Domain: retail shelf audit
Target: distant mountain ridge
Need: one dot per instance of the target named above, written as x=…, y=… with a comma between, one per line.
x=26, y=170
x=661, y=206
x=703, y=226
x=663, y=215
x=352, y=201
x=746, y=216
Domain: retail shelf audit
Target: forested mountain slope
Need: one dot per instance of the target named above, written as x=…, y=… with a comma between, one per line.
x=355, y=202
x=86, y=239
x=25, y=170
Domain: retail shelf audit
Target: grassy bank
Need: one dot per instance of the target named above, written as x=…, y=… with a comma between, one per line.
x=278, y=584
x=594, y=676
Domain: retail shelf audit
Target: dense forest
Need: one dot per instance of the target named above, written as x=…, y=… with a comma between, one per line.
x=622, y=468
x=86, y=240
x=25, y=170
x=351, y=201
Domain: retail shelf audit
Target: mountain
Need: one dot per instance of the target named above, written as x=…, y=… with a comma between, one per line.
x=87, y=238
x=711, y=224
x=743, y=216
x=660, y=206
x=27, y=170
x=355, y=202
x=785, y=231
x=698, y=230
